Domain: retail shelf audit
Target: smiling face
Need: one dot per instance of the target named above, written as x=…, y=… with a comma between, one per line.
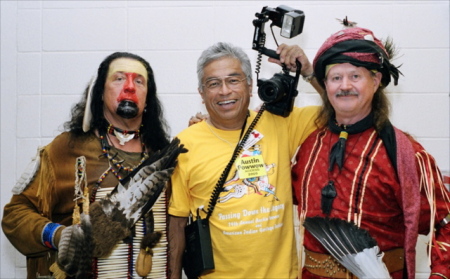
x=350, y=90
x=227, y=104
x=125, y=89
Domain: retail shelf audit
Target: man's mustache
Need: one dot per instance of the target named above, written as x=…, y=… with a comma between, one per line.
x=346, y=93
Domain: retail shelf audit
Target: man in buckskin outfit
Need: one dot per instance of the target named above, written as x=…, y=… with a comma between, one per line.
x=76, y=204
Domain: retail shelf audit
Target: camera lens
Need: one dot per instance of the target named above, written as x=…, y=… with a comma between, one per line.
x=272, y=90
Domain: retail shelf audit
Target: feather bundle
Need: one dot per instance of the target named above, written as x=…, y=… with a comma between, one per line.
x=108, y=231
x=84, y=263
x=353, y=247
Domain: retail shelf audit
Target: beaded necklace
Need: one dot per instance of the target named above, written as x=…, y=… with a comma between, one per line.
x=116, y=165
x=123, y=136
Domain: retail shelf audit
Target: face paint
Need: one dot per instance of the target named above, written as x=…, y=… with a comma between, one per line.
x=127, y=65
x=134, y=73
x=129, y=89
x=126, y=87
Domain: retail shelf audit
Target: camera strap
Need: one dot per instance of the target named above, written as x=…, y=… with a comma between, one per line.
x=216, y=192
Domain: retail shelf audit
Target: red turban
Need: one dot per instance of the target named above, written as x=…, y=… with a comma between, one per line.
x=359, y=47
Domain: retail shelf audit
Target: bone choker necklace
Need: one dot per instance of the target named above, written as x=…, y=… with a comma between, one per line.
x=123, y=136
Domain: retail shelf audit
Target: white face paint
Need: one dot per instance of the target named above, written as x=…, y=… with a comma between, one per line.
x=127, y=65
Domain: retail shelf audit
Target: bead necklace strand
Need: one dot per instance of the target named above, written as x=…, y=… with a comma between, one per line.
x=115, y=166
x=119, y=163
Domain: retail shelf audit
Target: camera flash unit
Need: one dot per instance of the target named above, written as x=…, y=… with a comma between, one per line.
x=292, y=22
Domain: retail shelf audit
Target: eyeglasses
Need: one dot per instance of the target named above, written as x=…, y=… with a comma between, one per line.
x=232, y=82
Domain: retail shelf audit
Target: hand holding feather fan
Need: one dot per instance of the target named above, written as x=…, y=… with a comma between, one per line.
x=353, y=247
x=111, y=218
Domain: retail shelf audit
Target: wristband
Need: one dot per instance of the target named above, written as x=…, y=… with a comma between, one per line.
x=48, y=234
x=309, y=78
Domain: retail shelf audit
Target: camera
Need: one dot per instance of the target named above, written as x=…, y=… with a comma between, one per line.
x=279, y=92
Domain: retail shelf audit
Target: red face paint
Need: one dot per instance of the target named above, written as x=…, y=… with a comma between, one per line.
x=129, y=89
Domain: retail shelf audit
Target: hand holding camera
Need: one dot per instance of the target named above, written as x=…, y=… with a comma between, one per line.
x=289, y=54
x=279, y=91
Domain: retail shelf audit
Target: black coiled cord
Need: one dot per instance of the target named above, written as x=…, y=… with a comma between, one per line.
x=216, y=192
x=259, y=57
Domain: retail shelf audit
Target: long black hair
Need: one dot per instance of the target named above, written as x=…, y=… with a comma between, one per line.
x=154, y=133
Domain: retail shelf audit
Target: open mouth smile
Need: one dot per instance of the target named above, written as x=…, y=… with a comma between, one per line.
x=227, y=102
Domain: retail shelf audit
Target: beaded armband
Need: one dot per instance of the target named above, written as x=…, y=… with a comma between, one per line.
x=48, y=234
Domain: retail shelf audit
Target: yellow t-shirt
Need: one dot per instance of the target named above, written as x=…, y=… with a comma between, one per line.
x=252, y=224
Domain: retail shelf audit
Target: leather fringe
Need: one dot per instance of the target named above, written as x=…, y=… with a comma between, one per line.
x=46, y=190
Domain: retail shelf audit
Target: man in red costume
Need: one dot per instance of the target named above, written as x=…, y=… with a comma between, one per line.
x=358, y=167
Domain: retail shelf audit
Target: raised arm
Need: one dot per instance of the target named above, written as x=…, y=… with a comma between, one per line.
x=288, y=56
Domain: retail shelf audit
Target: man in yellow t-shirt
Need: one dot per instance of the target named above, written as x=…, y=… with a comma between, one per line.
x=251, y=226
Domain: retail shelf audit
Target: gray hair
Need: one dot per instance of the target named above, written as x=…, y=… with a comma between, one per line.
x=221, y=50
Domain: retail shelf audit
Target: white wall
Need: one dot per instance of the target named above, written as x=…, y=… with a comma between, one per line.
x=50, y=49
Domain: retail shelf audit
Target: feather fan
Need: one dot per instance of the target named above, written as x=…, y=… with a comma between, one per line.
x=353, y=247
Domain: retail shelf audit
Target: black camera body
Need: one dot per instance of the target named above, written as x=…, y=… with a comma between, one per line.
x=279, y=92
